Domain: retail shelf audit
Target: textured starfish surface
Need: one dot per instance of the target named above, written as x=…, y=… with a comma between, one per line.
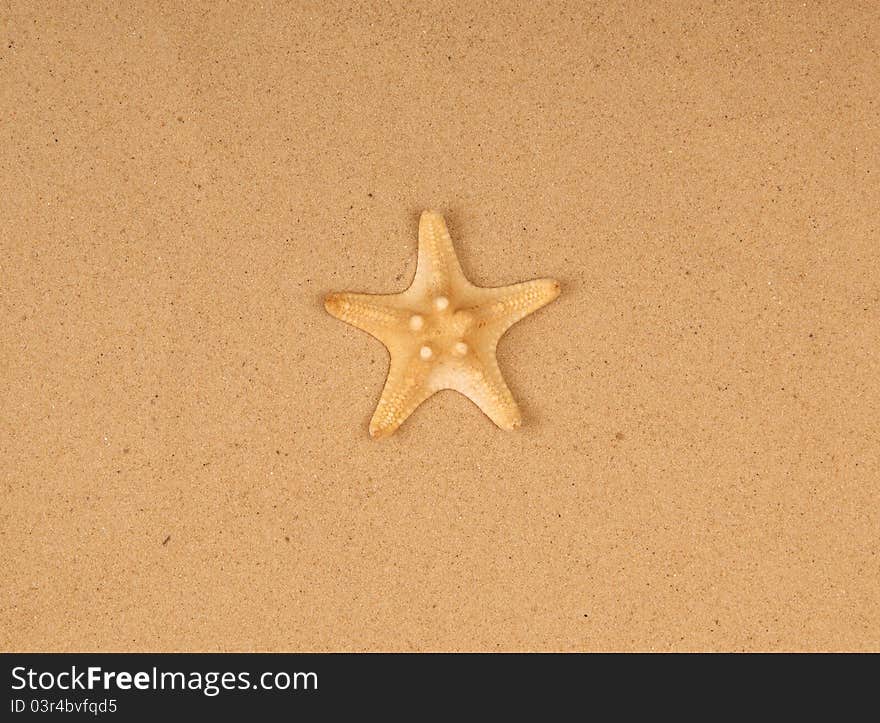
x=442, y=332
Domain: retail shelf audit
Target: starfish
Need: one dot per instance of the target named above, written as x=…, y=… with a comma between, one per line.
x=442, y=332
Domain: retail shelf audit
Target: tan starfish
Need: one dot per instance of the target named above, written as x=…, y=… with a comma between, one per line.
x=442, y=332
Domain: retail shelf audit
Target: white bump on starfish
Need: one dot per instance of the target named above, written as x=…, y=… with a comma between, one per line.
x=441, y=303
x=460, y=348
x=426, y=352
x=416, y=322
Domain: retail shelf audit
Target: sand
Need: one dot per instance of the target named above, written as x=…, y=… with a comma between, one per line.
x=184, y=454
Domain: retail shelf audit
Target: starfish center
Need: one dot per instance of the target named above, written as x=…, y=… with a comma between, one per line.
x=443, y=330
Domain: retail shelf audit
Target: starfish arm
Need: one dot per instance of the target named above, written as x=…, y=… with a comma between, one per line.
x=438, y=271
x=377, y=314
x=405, y=389
x=506, y=305
x=484, y=385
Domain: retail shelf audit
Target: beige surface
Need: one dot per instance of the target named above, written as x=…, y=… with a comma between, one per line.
x=183, y=447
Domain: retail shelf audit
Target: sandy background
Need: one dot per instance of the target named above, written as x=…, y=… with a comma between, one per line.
x=184, y=456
